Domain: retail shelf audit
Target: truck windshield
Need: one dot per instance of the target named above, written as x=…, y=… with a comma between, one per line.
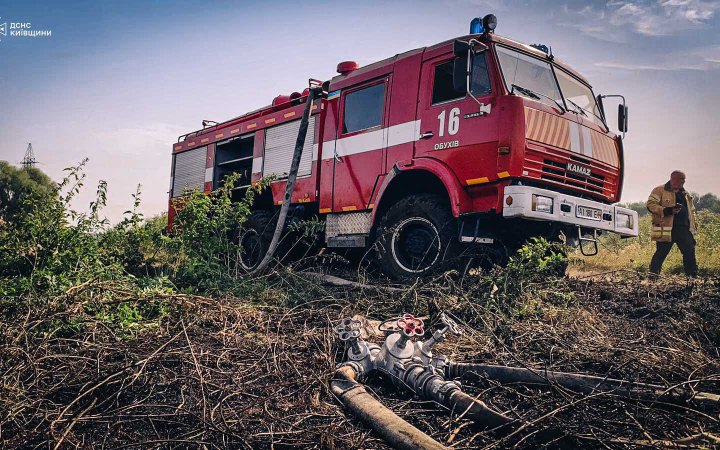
x=579, y=97
x=529, y=73
x=536, y=76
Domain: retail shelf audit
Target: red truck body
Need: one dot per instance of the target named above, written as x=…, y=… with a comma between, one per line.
x=471, y=150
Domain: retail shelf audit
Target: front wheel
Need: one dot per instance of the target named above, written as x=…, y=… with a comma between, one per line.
x=415, y=236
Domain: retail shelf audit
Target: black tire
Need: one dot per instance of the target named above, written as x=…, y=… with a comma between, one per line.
x=416, y=236
x=254, y=238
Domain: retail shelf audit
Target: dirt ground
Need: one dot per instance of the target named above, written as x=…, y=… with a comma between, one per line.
x=253, y=373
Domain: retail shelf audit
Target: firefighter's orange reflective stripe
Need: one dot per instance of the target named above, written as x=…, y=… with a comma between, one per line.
x=660, y=231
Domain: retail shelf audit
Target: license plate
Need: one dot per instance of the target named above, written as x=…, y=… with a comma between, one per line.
x=589, y=213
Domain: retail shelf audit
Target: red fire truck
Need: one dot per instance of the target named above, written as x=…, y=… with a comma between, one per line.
x=479, y=140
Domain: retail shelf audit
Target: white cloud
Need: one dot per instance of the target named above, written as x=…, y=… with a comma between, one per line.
x=617, y=19
x=700, y=59
x=636, y=67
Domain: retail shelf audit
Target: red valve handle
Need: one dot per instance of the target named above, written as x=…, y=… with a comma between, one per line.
x=411, y=325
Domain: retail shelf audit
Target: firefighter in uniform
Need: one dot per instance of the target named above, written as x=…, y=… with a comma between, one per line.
x=673, y=222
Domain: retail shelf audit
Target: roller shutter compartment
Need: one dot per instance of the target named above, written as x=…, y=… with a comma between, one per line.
x=280, y=146
x=189, y=171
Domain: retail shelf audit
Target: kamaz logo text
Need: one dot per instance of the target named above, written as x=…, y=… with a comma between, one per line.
x=578, y=169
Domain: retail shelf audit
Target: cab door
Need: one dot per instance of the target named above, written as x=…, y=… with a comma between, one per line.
x=360, y=144
x=454, y=127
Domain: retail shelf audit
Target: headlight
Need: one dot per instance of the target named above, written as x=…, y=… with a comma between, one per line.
x=542, y=204
x=623, y=220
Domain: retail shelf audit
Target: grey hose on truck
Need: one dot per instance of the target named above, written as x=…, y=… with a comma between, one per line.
x=302, y=133
x=393, y=429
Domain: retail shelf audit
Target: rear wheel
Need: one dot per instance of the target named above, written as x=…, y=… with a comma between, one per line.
x=415, y=236
x=254, y=238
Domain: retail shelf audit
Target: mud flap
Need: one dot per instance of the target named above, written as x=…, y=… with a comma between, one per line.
x=471, y=232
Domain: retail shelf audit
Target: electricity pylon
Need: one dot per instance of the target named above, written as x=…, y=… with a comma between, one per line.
x=29, y=159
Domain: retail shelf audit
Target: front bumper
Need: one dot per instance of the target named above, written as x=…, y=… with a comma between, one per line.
x=565, y=210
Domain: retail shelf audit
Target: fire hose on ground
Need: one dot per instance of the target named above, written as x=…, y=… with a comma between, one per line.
x=413, y=365
x=584, y=384
x=396, y=431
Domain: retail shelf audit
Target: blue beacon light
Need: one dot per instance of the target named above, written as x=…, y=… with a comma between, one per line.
x=476, y=26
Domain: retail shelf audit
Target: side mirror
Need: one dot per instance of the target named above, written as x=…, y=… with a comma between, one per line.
x=622, y=118
x=462, y=66
x=622, y=112
x=461, y=48
x=460, y=74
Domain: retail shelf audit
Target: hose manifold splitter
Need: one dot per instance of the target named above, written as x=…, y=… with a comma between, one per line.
x=412, y=364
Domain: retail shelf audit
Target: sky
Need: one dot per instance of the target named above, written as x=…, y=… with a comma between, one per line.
x=118, y=81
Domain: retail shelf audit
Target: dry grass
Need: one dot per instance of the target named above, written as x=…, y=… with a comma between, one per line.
x=635, y=253
x=253, y=373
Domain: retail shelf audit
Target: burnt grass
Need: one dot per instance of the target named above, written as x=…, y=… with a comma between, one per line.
x=253, y=372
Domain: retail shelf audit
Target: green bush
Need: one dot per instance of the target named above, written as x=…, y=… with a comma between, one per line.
x=73, y=268
x=19, y=186
x=203, y=236
x=138, y=245
x=46, y=247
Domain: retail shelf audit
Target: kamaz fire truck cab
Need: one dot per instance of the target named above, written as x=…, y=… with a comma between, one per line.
x=479, y=140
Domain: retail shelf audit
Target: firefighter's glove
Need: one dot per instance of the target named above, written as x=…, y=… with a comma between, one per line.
x=669, y=211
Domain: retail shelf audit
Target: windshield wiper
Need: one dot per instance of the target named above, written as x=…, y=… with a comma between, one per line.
x=577, y=108
x=536, y=95
x=584, y=111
